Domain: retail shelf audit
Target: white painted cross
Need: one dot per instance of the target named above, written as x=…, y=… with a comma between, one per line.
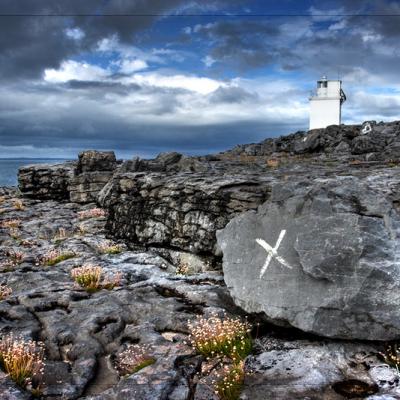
x=273, y=253
x=367, y=128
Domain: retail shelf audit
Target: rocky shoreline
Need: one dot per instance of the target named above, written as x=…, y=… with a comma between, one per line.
x=186, y=229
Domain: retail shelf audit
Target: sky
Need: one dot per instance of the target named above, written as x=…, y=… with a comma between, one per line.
x=145, y=76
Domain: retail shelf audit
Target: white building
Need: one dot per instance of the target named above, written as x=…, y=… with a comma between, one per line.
x=326, y=104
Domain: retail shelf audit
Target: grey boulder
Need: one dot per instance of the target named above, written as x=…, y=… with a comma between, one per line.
x=334, y=269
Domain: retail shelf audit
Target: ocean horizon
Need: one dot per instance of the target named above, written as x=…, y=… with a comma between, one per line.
x=9, y=167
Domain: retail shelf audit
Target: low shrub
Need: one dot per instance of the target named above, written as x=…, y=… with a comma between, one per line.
x=92, y=213
x=5, y=291
x=11, y=223
x=215, y=336
x=229, y=381
x=14, y=258
x=88, y=277
x=54, y=257
x=272, y=163
x=391, y=355
x=61, y=235
x=133, y=359
x=91, y=278
x=23, y=361
x=109, y=248
x=18, y=205
x=81, y=230
x=15, y=234
x=182, y=269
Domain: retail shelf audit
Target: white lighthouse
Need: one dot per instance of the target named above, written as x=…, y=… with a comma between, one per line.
x=326, y=104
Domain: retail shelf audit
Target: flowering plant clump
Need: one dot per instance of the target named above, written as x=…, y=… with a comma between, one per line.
x=109, y=248
x=55, y=256
x=90, y=277
x=272, y=162
x=392, y=355
x=81, y=230
x=5, y=291
x=61, y=235
x=182, y=269
x=23, y=361
x=133, y=359
x=15, y=233
x=11, y=223
x=14, y=258
x=216, y=336
x=93, y=213
x=18, y=204
x=229, y=381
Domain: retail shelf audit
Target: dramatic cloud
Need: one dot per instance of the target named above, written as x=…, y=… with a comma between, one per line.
x=72, y=70
x=151, y=83
x=29, y=44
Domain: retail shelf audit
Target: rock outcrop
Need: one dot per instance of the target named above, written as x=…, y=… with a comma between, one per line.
x=335, y=192
x=307, y=370
x=334, y=270
x=94, y=170
x=46, y=182
x=83, y=332
x=79, y=181
x=324, y=204
x=371, y=140
x=178, y=211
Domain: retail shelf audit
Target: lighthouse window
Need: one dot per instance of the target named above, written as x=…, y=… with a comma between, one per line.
x=322, y=84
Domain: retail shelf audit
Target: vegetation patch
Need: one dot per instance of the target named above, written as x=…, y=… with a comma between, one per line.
x=23, y=361
x=11, y=223
x=133, y=359
x=13, y=259
x=225, y=342
x=229, y=381
x=18, y=204
x=54, y=257
x=92, y=213
x=5, y=291
x=216, y=336
x=183, y=269
x=91, y=278
x=61, y=235
x=391, y=355
x=81, y=230
x=109, y=248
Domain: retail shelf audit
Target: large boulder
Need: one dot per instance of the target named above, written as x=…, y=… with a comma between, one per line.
x=321, y=256
x=93, y=160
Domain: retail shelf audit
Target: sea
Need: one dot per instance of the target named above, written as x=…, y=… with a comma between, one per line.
x=9, y=167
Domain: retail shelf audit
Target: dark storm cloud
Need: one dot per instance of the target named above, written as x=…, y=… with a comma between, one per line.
x=106, y=110
x=28, y=44
x=241, y=43
x=152, y=139
x=85, y=116
x=311, y=44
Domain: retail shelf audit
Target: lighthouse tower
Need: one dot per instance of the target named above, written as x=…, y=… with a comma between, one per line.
x=326, y=104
